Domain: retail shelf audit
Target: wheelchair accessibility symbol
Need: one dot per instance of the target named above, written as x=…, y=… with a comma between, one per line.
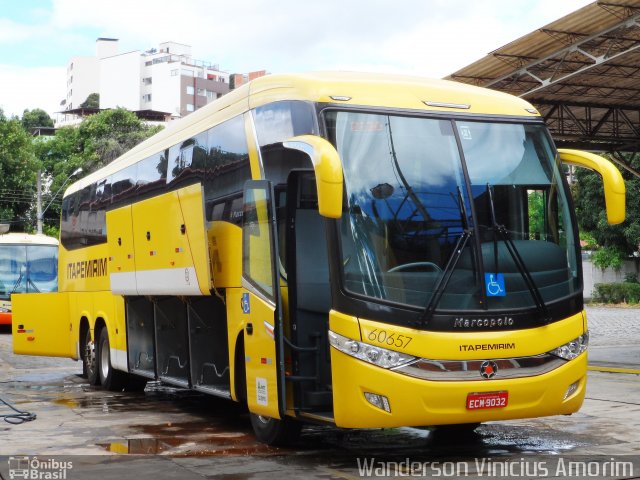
x=494, y=285
x=244, y=303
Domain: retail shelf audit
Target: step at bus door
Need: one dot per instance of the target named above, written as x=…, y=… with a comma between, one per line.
x=261, y=302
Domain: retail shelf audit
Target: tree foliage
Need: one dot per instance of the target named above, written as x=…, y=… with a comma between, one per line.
x=18, y=170
x=592, y=216
x=36, y=118
x=92, y=101
x=97, y=141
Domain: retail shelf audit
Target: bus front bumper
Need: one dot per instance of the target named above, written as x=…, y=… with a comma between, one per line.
x=418, y=402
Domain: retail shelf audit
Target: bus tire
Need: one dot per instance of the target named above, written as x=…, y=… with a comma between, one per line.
x=275, y=432
x=90, y=361
x=110, y=378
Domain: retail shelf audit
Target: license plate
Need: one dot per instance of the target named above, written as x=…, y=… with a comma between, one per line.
x=477, y=401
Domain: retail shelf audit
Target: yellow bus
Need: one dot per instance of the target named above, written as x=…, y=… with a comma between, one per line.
x=350, y=249
x=28, y=263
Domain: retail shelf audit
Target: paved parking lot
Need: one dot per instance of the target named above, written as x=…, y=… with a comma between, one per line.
x=614, y=336
x=168, y=433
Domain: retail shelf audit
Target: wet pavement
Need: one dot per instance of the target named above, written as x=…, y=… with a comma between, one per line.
x=171, y=433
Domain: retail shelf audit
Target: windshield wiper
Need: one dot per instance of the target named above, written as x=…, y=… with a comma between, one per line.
x=504, y=235
x=452, y=262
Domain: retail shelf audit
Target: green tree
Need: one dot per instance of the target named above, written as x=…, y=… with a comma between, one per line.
x=108, y=134
x=592, y=217
x=92, y=101
x=97, y=141
x=36, y=118
x=18, y=170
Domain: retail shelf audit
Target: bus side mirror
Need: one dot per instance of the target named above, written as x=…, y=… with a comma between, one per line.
x=328, y=170
x=614, y=189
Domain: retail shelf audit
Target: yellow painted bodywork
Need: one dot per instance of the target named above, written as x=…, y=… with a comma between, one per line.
x=169, y=233
x=260, y=359
x=416, y=402
x=120, y=241
x=614, y=188
x=214, y=250
x=43, y=316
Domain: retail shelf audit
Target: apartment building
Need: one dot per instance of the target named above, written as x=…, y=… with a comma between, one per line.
x=83, y=73
x=165, y=81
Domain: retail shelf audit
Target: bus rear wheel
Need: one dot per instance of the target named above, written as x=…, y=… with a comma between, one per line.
x=110, y=378
x=89, y=360
x=275, y=432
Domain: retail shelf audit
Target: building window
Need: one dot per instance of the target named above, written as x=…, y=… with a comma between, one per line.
x=174, y=72
x=187, y=73
x=190, y=90
x=146, y=97
x=211, y=95
x=202, y=92
x=190, y=107
x=147, y=81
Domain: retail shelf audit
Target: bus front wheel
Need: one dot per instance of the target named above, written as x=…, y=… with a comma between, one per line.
x=275, y=432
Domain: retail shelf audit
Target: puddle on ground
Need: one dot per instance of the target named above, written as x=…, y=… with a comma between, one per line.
x=190, y=439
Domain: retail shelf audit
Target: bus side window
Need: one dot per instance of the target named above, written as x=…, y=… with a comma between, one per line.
x=279, y=121
x=187, y=161
x=151, y=176
x=226, y=171
x=123, y=185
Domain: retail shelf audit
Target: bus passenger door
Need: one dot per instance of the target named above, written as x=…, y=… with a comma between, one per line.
x=261, y=302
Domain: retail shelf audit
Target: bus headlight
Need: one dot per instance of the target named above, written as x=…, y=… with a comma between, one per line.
x=571, y=350
x=379, y=356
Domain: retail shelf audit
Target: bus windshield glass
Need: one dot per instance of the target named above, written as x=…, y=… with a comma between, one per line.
x=28, y=268
x=454, y=215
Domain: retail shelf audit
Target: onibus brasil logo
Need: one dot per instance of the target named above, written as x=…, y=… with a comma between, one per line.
x=36, y=469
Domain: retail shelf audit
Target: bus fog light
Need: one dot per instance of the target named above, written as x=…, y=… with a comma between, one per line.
x=572, y=389
x=379, y=401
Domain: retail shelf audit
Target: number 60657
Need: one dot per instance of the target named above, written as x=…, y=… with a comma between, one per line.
x=389, y=338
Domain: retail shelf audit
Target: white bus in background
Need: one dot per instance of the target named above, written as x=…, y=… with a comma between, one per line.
x=28, y=264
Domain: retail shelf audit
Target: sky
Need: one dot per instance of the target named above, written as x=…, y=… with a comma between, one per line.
x=430, y=38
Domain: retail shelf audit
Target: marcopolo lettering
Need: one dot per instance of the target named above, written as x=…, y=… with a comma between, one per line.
x=461, y=322
x=87, y=269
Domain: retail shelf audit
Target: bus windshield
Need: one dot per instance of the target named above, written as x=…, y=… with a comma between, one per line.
x=453, y=215
x=28, y=268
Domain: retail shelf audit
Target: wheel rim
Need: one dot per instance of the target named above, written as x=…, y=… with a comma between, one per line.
x=104, y=360
x=263, y=419
x=90, y=356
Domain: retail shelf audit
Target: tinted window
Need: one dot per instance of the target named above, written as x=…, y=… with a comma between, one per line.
x=187, y=161
x=276, y=123
x=83, y=217
x=227, y=170
x=151, y=175
x=123, y=185
x=280, y=121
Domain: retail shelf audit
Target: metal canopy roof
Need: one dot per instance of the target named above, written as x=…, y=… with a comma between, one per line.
x=582, y=72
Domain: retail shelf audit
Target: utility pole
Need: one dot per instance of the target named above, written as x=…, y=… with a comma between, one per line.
x=39, y=203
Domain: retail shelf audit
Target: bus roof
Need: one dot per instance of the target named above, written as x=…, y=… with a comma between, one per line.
x=26, y=239
x=338, y=88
